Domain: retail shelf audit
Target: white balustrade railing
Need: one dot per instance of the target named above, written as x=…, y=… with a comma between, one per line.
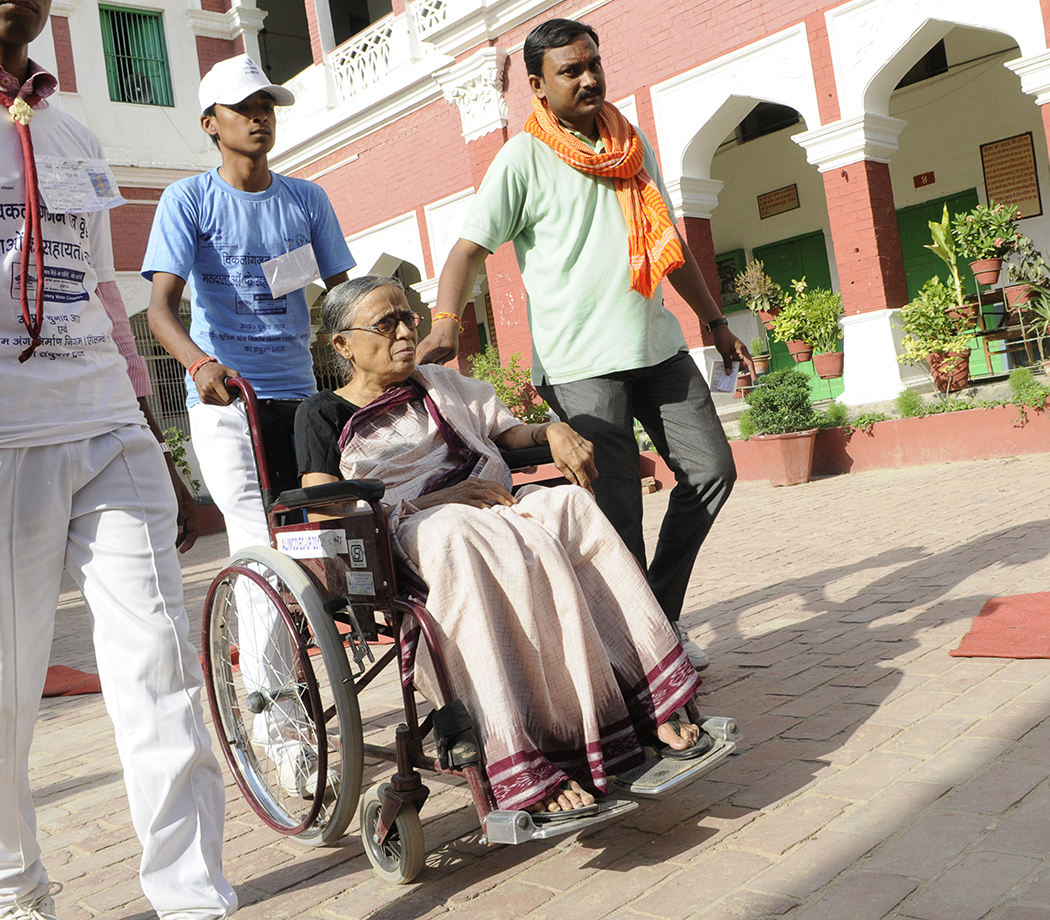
x=364, y=60
x=430, y=15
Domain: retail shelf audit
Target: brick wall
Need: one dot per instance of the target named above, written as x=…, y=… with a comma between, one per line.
x=130, y=226
x=212, y=50
x=67, y=73
x=867, y=241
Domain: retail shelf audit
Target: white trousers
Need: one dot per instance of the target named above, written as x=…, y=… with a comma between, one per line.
x=223, y=445
x=224, y=452
x=104, y=507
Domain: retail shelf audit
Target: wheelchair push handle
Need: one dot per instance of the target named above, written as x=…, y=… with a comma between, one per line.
x=241, y=387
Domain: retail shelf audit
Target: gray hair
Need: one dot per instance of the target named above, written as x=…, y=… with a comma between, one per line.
x=341, y=304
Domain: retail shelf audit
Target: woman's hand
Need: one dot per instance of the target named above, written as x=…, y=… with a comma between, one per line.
x=573, y=454
x=478, y=493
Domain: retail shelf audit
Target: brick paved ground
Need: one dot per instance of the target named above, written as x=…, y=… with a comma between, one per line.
x=880, y=778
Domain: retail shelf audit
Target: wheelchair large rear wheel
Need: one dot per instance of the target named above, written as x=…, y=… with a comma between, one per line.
x=282, y=696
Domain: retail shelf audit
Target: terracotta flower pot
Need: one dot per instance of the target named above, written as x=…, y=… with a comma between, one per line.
x=1018, y=294
x=951, y=371
x=788, y=457
x=767, y=317
x=761, y=363
x=829, y=365
x=986, y=271
x=743, y=384
x=964, y=317
x=800, y=351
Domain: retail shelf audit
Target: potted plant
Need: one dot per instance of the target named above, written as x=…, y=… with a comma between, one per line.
x=780, y=416
x=760, y=354
x=1039, y=316
x=809, y=321
x=933, y=336
x=825, y=333
x=985, y=236
x=762, y=295
x=1025, y=269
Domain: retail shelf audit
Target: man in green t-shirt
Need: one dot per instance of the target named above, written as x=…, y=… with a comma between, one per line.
x=580, y=195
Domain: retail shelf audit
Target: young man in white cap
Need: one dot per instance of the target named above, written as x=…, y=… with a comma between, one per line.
x=248, y=241
x=83, y=485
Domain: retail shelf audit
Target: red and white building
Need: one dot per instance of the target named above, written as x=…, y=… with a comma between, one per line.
x=819, y=137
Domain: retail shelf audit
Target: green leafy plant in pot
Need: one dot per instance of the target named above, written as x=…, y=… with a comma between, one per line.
x=809, y=322
x=780, y=416
x=985, y=236
x=760, y=354
x=933, y=336
x=1025, y=270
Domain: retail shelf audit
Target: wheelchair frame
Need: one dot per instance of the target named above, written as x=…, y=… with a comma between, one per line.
x=345, y=573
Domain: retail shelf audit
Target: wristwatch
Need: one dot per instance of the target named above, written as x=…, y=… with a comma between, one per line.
x=715, y=323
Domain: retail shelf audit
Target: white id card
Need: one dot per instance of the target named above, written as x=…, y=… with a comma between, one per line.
x=721, y=382
x=73, y=186
x=292, y=271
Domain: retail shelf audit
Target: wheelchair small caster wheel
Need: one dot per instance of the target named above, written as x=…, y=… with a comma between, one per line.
x=400, y=858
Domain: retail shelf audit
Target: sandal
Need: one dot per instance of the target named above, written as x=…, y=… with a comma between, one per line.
x=703, y=744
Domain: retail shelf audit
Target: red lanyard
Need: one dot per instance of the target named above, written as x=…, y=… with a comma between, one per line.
x=33, y=236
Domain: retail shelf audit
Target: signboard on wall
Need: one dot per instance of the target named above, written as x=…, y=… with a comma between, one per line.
x=778, y=201
x=1010, y=173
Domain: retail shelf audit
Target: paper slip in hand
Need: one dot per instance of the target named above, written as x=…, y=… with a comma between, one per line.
x=292, y=271
x=721, y=382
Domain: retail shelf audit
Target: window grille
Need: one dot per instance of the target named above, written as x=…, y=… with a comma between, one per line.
x=136, y=56
x=168, y=402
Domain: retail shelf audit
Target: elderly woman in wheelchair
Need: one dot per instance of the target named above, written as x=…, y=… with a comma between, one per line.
x=553, y=641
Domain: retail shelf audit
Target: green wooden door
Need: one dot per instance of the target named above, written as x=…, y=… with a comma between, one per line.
x=920, y=264
x=790, y=260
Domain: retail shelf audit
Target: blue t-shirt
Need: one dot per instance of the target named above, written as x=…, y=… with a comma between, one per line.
x=216, y=238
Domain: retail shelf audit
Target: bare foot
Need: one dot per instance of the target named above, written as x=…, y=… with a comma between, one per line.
x=687, y=734
x=569, y=797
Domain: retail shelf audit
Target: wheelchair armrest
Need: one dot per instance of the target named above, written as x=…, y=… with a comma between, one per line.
x=524, y=457
x=351, y=489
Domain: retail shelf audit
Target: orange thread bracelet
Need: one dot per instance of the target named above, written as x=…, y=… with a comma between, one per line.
x=443, y=315
x=197, y=365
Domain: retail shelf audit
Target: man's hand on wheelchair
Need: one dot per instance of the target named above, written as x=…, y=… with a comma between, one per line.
x=573, y=454
x=211, y=384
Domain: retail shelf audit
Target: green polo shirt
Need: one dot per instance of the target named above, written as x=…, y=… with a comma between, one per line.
x=570, y=238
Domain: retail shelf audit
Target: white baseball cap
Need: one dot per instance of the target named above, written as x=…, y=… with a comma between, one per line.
x=235, y=79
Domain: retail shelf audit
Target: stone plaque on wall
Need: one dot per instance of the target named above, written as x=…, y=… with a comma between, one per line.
x=1010, y=173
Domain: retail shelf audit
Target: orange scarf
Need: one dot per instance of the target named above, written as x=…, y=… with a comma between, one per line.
x=653, y=242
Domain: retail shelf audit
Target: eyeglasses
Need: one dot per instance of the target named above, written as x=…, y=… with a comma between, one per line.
x=389, y=323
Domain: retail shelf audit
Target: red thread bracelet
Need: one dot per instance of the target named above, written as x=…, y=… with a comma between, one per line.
x=197, y=365
x=444, y=315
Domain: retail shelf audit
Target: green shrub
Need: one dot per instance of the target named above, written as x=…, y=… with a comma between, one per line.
x=910, y=404
x=747, y=425
x=863, y=421
x=1026, y=391
x=781, y=403
x=513, y=385
x=835, y=416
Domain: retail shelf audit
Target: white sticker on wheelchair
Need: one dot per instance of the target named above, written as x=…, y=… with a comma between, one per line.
x=356, y=550
x=360, y=583
x=312, y=544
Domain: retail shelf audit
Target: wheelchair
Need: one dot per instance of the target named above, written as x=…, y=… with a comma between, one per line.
x=335, y=608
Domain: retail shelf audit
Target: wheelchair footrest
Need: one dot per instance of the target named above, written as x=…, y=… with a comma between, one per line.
x=518, y=827
x=658, y=774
